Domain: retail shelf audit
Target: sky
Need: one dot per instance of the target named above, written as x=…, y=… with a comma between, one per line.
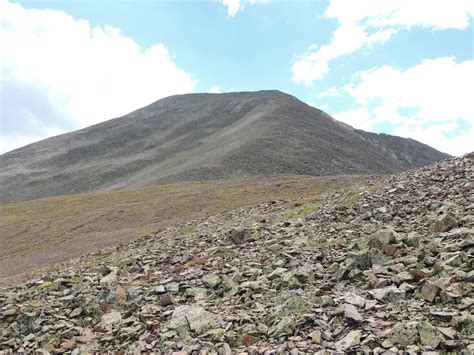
x=402, y=67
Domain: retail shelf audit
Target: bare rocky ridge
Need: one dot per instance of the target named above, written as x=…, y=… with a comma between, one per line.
x=388, y=267
x=202, y=137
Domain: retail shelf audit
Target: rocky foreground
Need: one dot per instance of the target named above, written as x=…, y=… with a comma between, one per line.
x=388, y=268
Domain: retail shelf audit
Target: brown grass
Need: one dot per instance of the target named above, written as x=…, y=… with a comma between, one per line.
x=39, y=233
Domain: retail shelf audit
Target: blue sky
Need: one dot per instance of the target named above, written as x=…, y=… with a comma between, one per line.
x=403, y=67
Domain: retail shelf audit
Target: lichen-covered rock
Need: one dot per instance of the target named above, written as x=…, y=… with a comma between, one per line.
x=193, y=318
x=212, y=280
x=429, y=336
x=349, y=341
x=388, y=294
x=405, y=334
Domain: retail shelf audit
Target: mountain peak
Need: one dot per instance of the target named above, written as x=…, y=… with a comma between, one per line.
x=200, y=137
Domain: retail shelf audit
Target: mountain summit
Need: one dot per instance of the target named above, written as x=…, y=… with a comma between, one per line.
x=202, y=137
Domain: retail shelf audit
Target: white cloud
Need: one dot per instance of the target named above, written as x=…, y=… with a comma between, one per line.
x=359, y=118
x=435, y=14
x=436, y=94
x=215, y=89
x=435, y=136
x=331, y=92
x=368, y=22
x=314, y=64
x=233, y=6
x=59, y=74
x=441, y=88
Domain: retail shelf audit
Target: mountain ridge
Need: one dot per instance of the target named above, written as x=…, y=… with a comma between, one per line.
x=201, y=137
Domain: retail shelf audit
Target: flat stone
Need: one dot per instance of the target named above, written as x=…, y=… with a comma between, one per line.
x=429, y=291
x=75, y=312
x=405, y=334
x=212, y=280
x=121, y=294
x=253, y=285
x=284, y=326
x=448, y=332
x=388, y=294
x=444, y=223
x=11, y=312
x=403, y=277
x=351, y=313
x=443, y=315
x=354, y=299
x=315, y=336
x=111, y=318
x=194, y=318
x=166, y=299
x=160, y=289
x=239, y=236
x=278, y=272
x=429, y=336
x=109, y=278
x=172, y=287
x=349, y=341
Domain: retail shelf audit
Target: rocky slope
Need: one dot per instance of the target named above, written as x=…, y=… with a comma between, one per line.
x=385, y=268
x=203, y=137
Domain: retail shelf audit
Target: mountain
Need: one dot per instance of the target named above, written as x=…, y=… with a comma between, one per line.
x=203, y=137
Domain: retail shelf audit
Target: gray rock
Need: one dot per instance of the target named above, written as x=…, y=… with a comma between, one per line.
x=240, y=236
x=195, y=319
x=388, y=294
x=429, y=336
x=405, y=334
x=350, y=312
x=445, y=223
x=212, y=280
x=111, y=318
x=349, y=341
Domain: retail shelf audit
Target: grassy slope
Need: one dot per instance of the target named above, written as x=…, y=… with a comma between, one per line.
x=39, y=233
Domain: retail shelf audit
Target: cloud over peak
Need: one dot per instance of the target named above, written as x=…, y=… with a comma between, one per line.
x=59, y=73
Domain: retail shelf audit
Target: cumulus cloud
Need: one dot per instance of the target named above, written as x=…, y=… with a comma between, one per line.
x=59, y=74
x=369, y=22
x=215, y=89
x=331, y=92
x=359, y=118
x=436, y=93
x=235, y=6
x=440, y=88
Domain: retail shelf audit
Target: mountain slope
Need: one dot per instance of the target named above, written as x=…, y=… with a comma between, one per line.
x=202, y=137
x=382, y=268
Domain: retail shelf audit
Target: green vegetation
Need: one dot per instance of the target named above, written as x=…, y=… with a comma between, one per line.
x=351, y=198
x=301, y=209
